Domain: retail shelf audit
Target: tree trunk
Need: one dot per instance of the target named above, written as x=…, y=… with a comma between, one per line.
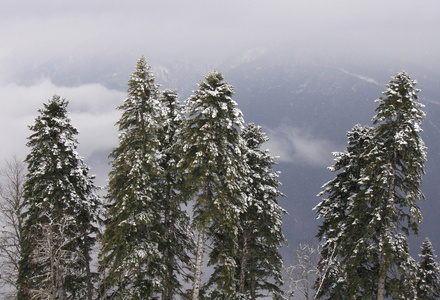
x=382, y=278
x=199, y=261
x=88, y=272
x=253, y=289
x=382, y=266
x=166, y=253
x=169, y=291
x=168, y=257
x=243, y=264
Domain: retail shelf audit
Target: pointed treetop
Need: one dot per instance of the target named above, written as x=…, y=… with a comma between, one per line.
x=55, y=108
x=427, y=247
x=216, y=81
x=213, y=101
x=52, y=117
x=254, y=136
x=142, y=81
x=56, y=105
x=143, y=70
x=400, y=99
x=215, y=78
x=428, y=277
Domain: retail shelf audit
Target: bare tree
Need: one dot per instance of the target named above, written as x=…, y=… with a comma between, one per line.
x=53, y=255
x=303, y=273
x=13, y=175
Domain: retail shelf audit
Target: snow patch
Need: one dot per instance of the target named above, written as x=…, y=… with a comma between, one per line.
x=362, y=77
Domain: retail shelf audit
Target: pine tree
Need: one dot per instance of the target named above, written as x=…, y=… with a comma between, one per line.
x=395, y=176
x=132, y=241
x=178, y=240
x=58, y=187
x=428, y=273
x=259, y=261
x=213, y=166
x=338, y=229
x=367, y=222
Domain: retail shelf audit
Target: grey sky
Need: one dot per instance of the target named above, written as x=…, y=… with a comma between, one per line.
x=34, y=32
x=89, y=34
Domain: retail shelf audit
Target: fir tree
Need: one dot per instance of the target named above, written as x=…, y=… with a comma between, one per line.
x=58, y=187
x=367, y=222
x=132, y=241
x=338, y=231
x=259, y=261
x=428, y=273
x=213, y=166
x=394, y=176
x=178, y=240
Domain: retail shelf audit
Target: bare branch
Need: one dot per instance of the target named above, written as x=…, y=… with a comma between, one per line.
x=12, y=178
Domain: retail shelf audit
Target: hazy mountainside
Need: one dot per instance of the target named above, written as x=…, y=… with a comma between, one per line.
x=306, y=108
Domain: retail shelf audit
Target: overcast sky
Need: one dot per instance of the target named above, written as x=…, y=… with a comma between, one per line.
x=92, y=35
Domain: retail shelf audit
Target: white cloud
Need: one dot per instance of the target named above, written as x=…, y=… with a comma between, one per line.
x=91, y=108
x=297, y=146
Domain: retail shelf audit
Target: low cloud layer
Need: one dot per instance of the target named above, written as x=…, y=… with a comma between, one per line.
x=295, y=145
x=42, y=39
x=91, y=107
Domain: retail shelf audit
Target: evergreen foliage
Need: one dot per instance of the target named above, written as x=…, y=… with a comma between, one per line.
x=367, y=222
x=395, y=175
x=338, y=211
x=133, y=235
x=178, y=240
x=428, y=273
x=213, y=163
x=58, y=188
x=259, y=261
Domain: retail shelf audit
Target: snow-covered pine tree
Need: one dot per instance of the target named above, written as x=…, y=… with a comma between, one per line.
x=366, y=224
x=178, y=239
x=393, y=179
x=213, y=164
x=343, y=272
x=259, y=263
x=133, y=238
x=428, y=273
x=58, y=187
